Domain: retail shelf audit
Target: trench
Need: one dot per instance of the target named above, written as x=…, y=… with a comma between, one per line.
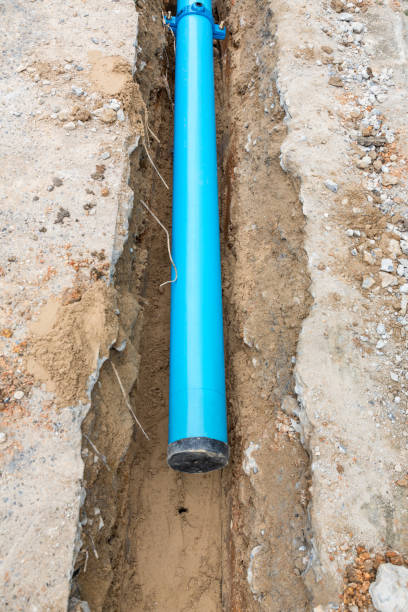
x=151, y=538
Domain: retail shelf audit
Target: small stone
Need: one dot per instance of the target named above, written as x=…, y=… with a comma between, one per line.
x=108, y=115
x=367, y=130
x=364, y=162
x=3, y=437
x=120, y=115
x=61, y=215
x=389, y=592
x=337, y=5
x=393, y=248
x=104, y=192
x=388, y=180
x=57, y=181
x=403, y=482
x=114, y=104
x=394, y=376
x=369, y=258
x=331, y=185
x=18, y=395
x=404, y=288
x=89, y=206
x=388, y=280
x=368, y=282
x=78, y=91
x=81, y=114
x=346, y=16
x=63, y=115
x=105, y=155
x=69, y=126
x=380, y=344
x=349, y=233
x=404, y=246
x=387, y=265
x=389, y=136
x=381, y=329
x=50, y=188
x=377, y=165
x=327, y=49
x=357, y=27
x=290, y=406
x=336, y=81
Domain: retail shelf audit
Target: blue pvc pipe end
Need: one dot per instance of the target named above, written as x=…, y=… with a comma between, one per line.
x=197, y=455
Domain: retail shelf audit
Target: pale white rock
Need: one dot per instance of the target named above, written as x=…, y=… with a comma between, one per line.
x=388, y=180
x=388, y=280
x=364, y=162
x=369, y=257
x=404, y=288
x=401, y=270
x=18, y=395
x=387, y=265
x=389, y=592
x=114, y=104
x=404, y=246
x=357, y=27
x=381, y=329
x=346, y=16
x=69, y=126
x=331, y=185
x=393, y=248
x=78, y=91
x=368, y=282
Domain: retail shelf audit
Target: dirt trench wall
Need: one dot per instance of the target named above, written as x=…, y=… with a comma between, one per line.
x=111, y=436
x=266, y=298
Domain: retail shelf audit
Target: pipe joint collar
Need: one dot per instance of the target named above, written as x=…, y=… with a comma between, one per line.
x=198, y=9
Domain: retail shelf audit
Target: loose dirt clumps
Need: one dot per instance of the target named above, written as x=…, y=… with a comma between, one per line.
x=109, y=73
x=69, y=341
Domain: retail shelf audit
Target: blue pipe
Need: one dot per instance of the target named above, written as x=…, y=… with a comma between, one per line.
x=197, y=405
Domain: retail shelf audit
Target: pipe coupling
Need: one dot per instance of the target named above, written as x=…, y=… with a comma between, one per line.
x=198, y=9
